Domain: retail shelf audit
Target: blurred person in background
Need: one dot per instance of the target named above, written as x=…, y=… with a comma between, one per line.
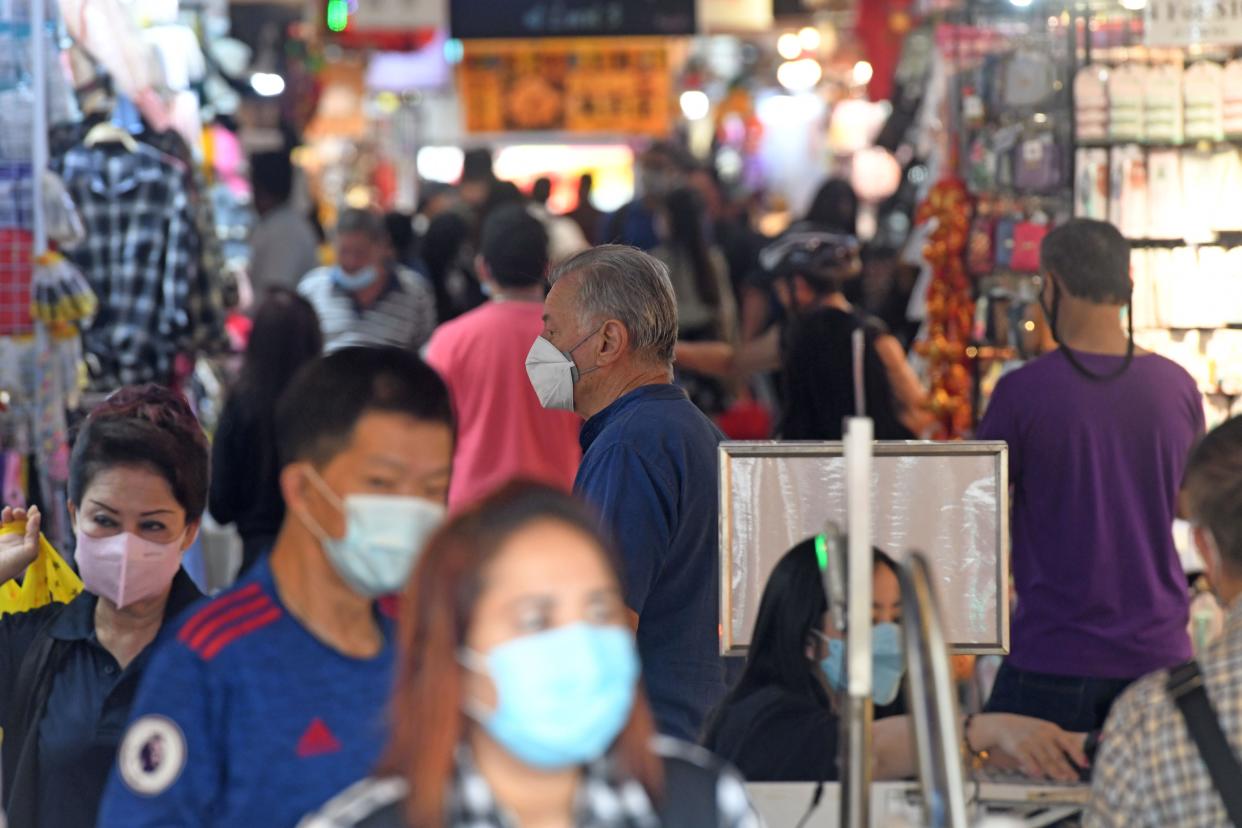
x=541, y=190
x=659, y=171
x=781, y=722
x=366, y=298
x=503, y=431
x=268, y=701
x=706, y=309
x=478, y=178
x=69, y=672
x=587, y=217
x=283, y=244
x=519, y=700
x=403, y=239
x=649, y=463
x=730, y=229
x=448, y=254
x=245, y=481
x=813, y=348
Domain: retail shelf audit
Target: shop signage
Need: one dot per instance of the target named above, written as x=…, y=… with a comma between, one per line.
x=395, y=15
x=1193, y=22
x=573, y=85
x=570, y=18
x=734, y=16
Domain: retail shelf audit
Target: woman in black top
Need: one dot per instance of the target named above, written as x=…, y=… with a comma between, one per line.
x=68, y=672
x=245, y=485
x=780, y=722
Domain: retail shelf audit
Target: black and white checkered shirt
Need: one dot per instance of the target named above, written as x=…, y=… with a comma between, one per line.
x=1149, y=772
x=605, y=798
x=140, y=256
x=404, y=316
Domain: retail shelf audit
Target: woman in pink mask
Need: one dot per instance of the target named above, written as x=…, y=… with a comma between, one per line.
x=138, y=483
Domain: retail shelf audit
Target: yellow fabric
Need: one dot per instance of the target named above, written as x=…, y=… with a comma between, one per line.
x=48, y=580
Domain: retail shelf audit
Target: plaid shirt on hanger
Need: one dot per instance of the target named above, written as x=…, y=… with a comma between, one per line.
x=140, y=256
x=1149, y=772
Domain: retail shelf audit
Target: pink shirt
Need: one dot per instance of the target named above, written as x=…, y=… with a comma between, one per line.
x=503, y=432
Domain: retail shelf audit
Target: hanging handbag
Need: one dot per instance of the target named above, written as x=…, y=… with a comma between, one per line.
x=981, y=247
x=1037, y=166
x=1027, y=238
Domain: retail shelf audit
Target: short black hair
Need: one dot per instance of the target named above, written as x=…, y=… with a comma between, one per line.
x=147, y=426
x=1091, y=259
x=478, y=165
x=316, y=416
x=1212, y=489
x=515, y=247
x=271, y=173
x=366, y=222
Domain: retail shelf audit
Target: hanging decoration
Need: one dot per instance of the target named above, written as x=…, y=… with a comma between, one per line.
x=950, y=308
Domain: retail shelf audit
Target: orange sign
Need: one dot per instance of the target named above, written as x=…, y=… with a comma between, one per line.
x=614, y=85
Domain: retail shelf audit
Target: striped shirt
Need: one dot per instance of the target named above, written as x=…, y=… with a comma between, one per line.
x=403, y=316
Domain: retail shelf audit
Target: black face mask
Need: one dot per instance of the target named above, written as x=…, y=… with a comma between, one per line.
x=1051, y=315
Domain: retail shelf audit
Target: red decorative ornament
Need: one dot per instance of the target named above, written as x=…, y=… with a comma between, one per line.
x=950, y=307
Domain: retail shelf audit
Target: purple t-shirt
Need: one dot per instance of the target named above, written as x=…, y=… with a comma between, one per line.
x=1095, y=469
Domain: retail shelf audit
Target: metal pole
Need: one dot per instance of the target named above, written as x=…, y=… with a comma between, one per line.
x=856, y=770
x=38, y=56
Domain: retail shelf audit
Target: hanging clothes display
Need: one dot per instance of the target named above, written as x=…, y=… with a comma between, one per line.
x=140, y=256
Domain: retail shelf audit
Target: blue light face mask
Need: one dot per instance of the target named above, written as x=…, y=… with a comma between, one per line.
x=358, y=280
x=888, y=663
x=384, y=535
x=563, y=695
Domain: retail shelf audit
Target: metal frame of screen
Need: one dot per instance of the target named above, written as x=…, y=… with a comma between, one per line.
x=777, y=450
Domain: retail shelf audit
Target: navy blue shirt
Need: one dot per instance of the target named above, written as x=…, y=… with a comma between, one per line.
x=87, y=707
x=649, y=464
x=247, y=719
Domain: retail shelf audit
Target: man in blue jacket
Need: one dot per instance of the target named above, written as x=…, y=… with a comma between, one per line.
x=649, y=464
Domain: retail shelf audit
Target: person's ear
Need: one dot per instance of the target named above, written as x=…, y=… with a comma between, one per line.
x=73, y=516
x=481, y=271
x=191, y=533
x=614, y=340
x=293, y=486
x=1205, y=544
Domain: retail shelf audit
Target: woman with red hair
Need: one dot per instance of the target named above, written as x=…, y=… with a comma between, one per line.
x=518, y=700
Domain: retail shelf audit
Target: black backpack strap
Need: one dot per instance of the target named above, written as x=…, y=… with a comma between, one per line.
x=21, y=739
x=1185, y=687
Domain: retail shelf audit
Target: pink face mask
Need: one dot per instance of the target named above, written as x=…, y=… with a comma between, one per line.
x=125, y=568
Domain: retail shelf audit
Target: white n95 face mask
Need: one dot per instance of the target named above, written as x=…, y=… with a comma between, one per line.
x=553, y=374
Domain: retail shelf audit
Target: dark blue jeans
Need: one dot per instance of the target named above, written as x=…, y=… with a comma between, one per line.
x=1078, y=705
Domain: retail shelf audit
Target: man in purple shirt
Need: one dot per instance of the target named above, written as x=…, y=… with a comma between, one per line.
x=1098, y=438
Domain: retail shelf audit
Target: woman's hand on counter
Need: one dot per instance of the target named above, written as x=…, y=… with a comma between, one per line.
x=1039, y=749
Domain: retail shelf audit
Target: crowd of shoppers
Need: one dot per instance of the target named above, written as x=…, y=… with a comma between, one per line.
x=484, y=589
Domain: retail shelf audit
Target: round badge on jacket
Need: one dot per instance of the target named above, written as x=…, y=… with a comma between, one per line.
x=152, y=755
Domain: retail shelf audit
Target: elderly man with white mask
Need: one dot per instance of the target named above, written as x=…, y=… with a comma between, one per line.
x=649, y=464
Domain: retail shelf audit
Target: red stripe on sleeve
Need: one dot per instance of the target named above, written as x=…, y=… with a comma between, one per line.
x=221, y=621
x=233, y=633
x=215, y=607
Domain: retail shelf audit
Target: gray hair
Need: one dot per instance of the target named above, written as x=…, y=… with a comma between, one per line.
x=626, y=284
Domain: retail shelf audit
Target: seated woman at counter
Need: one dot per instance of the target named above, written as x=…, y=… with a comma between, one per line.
x=518, y=698
x=780, y=722
x=68, y=672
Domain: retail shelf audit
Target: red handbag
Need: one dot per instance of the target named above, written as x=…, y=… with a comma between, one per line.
x=1027, y=238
